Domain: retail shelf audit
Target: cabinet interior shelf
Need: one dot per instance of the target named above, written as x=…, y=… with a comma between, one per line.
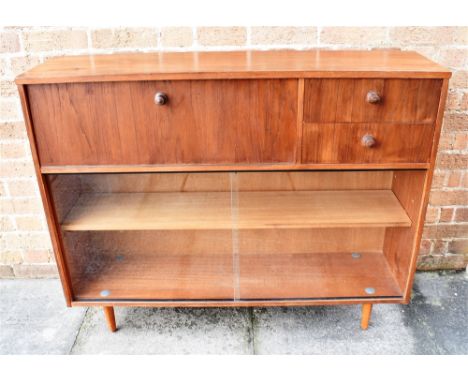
x=212, y=276
x=237, y=210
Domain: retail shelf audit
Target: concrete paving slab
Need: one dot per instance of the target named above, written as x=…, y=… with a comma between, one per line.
x=434, y=323
x=440, y=306
x=167, y=331
x=330, y=330
x=34, y=318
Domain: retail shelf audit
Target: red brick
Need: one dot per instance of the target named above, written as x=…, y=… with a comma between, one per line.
x=432, y=214
x=218, y=36
x=461, y=214
x=35, y=270
x=12, y=150
x=27, y=205
x=459, y=79
x=453, y=101
x=454, y=58
x=446, y=215
x=3, y=191
x=276, y=35
x=435, y=262
x=458, y=246
x=438, y=180
x=17, y=168
x=455, y=122
x=8, y=88
x=11, y=256
x=125, y=38
x=464, y=103
x=29, y=223
x=446, y=141
x=426, y=247
x=464, y=182
x=176, y=36
x=460, y=35
x=12, y=130
x=445, y=231
x=454, y=179
x=6, y=224
x=9, y=42
x=356, y=36
x=24, y=63
x=23, y=187
x=37, y=256
x=460, y=141
x=52, y=39
x=452, y=161
x=448, y=198
x=6, y=272
x=17, y=241
x=423, y=35
x=9, y=110
x=440, y=247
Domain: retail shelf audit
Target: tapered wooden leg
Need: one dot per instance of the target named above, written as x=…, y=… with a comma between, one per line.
x=366, y=314
x=110, y=318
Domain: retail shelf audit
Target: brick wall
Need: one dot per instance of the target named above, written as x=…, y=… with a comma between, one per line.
x=25, y=248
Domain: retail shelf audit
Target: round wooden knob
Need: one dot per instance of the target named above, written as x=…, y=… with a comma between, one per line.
x=373, y=97
x=368, y=141
x=160, y=98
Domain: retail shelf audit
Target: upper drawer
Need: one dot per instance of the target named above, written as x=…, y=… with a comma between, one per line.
x=219, y=121
x=371, y=100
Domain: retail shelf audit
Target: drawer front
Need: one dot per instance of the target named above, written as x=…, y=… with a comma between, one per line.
x=371, y=100
x=367, y=143
x=119, y=123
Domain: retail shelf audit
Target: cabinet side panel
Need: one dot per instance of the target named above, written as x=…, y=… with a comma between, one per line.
x=46, y=199
x=414, y=187
x=399, y=242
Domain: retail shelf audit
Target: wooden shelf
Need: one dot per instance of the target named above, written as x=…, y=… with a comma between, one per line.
x=260, y=277
x=316, y=275
x=252, y=210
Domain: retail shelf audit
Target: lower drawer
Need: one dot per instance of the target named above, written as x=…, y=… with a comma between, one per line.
x=366, y=143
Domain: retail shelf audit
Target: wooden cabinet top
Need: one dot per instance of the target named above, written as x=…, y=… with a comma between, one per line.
x=235, y=64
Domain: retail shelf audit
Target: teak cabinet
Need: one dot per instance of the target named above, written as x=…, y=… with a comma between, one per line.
x=235, y=178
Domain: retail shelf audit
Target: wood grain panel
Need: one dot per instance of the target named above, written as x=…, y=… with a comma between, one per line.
x=47, y=200
x=112, y=169
x=76, y=184
x=313, y=180
x=316, y=240
x=237, y=303
x=209, y=122
x=157, y=276
x=398, y=245
x=84, y=246
x=335, y=275
x=151, y=264
x=303, y=209
x=156, y=182
x=344, y=100
x=315, y=276
x=236, y=64
x=341, y=143
x=255, y=210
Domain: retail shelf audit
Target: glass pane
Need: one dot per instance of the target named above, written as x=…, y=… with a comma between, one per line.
x=147, y=236
x=314, y=235
x=229, y=235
